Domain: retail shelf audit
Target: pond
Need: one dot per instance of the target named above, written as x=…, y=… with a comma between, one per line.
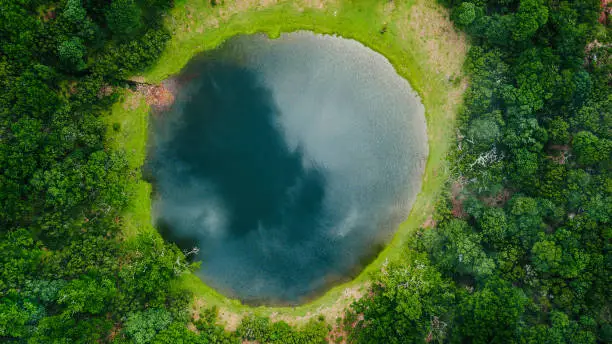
x=288, y=162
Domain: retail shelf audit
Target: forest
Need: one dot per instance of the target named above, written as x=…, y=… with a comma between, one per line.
x=519, y=249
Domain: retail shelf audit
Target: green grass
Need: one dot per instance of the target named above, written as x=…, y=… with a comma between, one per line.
x=132, y=115
x=419, y=42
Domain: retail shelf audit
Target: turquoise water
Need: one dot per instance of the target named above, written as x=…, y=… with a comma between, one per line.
x=288, y=163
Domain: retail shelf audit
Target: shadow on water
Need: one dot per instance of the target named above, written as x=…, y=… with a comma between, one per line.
x=228, y=138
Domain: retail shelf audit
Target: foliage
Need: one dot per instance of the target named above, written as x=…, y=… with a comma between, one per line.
x=123, y=17
x=590, y=149
x=262, y=330
x=64, y=268
x=465, y=13
x=409, y=302
x=143, y=326
x=491, y=315
x=74, y=11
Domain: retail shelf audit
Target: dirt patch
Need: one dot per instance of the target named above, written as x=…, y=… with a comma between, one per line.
x=138, y=78
x=442, y=41
x=457, y=200
x=455, y=94
x=114, y=332
x=605, y=12
x=389, y=7
x=559, y=153
x=49, y=14
x=231, y=8
x=429, y=223
x=191, y=327
x=498, y=200
x=196, y=308
x=330, y=312
x=318, y=4
x=105, y=91
x=231, y=320
x=160, y=97
x=132, y=101
x=338, y=334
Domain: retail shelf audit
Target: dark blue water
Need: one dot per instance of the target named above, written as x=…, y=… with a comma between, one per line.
x=287, y=162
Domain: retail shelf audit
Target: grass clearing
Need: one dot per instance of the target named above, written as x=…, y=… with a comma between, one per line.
x=417, y=38
x=131, y=114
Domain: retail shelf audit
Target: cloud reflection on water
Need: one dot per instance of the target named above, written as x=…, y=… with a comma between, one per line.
x=286, y=161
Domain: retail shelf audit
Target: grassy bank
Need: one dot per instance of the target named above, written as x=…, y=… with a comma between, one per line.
x=416, y=36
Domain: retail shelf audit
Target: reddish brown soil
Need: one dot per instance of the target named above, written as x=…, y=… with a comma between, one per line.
x=457, y=201
x=158, y=96
x=498, y=200
x=429, y=223
x=605, y=11
x=559, y=154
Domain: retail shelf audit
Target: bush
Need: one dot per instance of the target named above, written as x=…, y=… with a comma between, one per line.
x=143, y=326
x=123, y=17
x=589, y=149
x=71, y=53
x=465, y=14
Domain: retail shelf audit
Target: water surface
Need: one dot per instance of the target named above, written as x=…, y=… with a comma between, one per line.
x=287, y=162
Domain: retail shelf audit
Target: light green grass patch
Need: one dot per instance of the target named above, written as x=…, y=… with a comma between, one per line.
x=131, y=114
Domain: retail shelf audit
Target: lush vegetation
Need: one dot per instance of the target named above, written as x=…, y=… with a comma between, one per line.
x=518, y=250
x=65, y=275
x=521, y=249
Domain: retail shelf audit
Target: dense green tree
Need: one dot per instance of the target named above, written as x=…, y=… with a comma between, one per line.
x=44, y=291
x=124, y=17
x=409, y=303
x=531, y=15
x=74, y=11
x=177, y=333
x=17, y=318
x=454, y=247
x=65, y=329
x=87, y=295
x=21, y=255
x=494, y=226
x=546, y=255
x=152, y=264
x=484, y=132
x=525, y=167
x=62, y=191
x=465, y=13
x=589, y=149
x=558, y=131
x=143, y=326
x=262, y=330
x=492, y=315
x=71, y=53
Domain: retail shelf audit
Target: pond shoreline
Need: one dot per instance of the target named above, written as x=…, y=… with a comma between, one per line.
x=407, y=46
x=318, y=128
